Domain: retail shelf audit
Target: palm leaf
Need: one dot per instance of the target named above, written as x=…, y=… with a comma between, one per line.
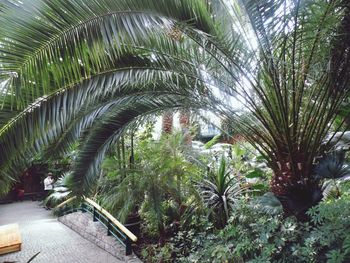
x=270, y=56
x=109, y=129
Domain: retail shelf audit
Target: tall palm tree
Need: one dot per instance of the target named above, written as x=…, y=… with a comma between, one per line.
x=89, y=70
x=167, y=122
x=184, y=119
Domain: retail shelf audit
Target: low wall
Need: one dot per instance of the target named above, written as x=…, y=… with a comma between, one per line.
x=83, y=224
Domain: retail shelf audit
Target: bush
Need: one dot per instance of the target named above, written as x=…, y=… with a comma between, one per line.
x=255, y=235
x=331, y=234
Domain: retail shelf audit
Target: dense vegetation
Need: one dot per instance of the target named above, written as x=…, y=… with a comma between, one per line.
x=194, y=206
x=85, y=75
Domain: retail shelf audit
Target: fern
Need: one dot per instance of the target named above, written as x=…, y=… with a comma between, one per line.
x=335, y=256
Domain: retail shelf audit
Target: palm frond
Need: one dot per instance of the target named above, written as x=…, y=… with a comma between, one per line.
x=44, y=123
x=108, y=130
x=64, y=34
x=286, y=63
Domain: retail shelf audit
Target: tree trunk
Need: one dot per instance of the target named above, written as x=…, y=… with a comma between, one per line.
x=185, y=126
x=295, y=186
x=167, y=122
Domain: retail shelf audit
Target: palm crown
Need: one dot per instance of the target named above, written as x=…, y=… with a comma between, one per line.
x=88, y=70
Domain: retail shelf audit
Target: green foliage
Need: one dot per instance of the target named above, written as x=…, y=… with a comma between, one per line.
x=61, y=191
x=159, y=187
x=220, y=190
x=213, y=141
x=332, y=172
x=250, y=234
x=146, y=133
x=332, y=229
x=251, y=166
x=110, y=166
x=332, y=166
x=157, y=254
x=121, y=196
x=269, y=204
x=103, y=65
x=156, y=185
x=256, y=235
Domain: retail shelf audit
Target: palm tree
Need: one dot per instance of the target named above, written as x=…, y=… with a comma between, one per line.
x=184, y=119
x=167, y=122
x=90, y=70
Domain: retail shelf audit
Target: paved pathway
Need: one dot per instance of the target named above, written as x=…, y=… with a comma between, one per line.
x=41, y=232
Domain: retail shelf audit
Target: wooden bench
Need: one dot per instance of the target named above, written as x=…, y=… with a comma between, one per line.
x=10, y=239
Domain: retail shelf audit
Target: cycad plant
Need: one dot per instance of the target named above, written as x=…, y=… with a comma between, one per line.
x=331, y=171
x=88, y=70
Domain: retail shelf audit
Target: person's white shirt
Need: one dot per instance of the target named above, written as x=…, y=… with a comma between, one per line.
x=48, y=183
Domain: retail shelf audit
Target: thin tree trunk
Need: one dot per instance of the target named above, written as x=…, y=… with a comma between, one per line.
x=119, y=156
x=123, y=155
x=132, y=155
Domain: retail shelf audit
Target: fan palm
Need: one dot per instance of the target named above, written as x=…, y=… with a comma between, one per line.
x=332, y=170
x=88, y=70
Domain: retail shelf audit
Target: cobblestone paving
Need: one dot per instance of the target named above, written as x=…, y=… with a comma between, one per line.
x=41, y=232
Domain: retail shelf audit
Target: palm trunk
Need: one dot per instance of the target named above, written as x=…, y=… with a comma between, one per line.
x=167, y=123
x=294, y=185
x=185, y=126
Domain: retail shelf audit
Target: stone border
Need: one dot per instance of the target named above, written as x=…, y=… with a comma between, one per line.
x=83, y=224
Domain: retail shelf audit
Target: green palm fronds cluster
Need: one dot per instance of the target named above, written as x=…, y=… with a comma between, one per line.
x=87, y=70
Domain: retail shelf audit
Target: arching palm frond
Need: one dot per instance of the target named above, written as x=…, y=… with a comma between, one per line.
x=65, y=35
x=108, y=129
x=46, y=119
x=284, y=64
x=63, y=117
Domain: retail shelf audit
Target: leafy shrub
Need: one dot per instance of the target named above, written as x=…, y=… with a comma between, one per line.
x=156, y=253
x=331, y=234
x=256, y=235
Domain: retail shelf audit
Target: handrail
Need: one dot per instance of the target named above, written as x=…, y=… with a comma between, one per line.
x=65, y=202
x=126, y=231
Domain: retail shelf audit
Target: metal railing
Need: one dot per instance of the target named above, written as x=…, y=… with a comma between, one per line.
x=113, y=226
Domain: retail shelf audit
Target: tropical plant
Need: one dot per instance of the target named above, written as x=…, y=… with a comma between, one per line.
x=120, y=194
x=331, y=171
x=330, y=237
x=332, y=166
x=94, y=68
x=256, y=235
x=156, y=186
x=220, y=191
x=60, y=193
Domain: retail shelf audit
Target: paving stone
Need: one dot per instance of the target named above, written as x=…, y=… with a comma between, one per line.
x=41, y=232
